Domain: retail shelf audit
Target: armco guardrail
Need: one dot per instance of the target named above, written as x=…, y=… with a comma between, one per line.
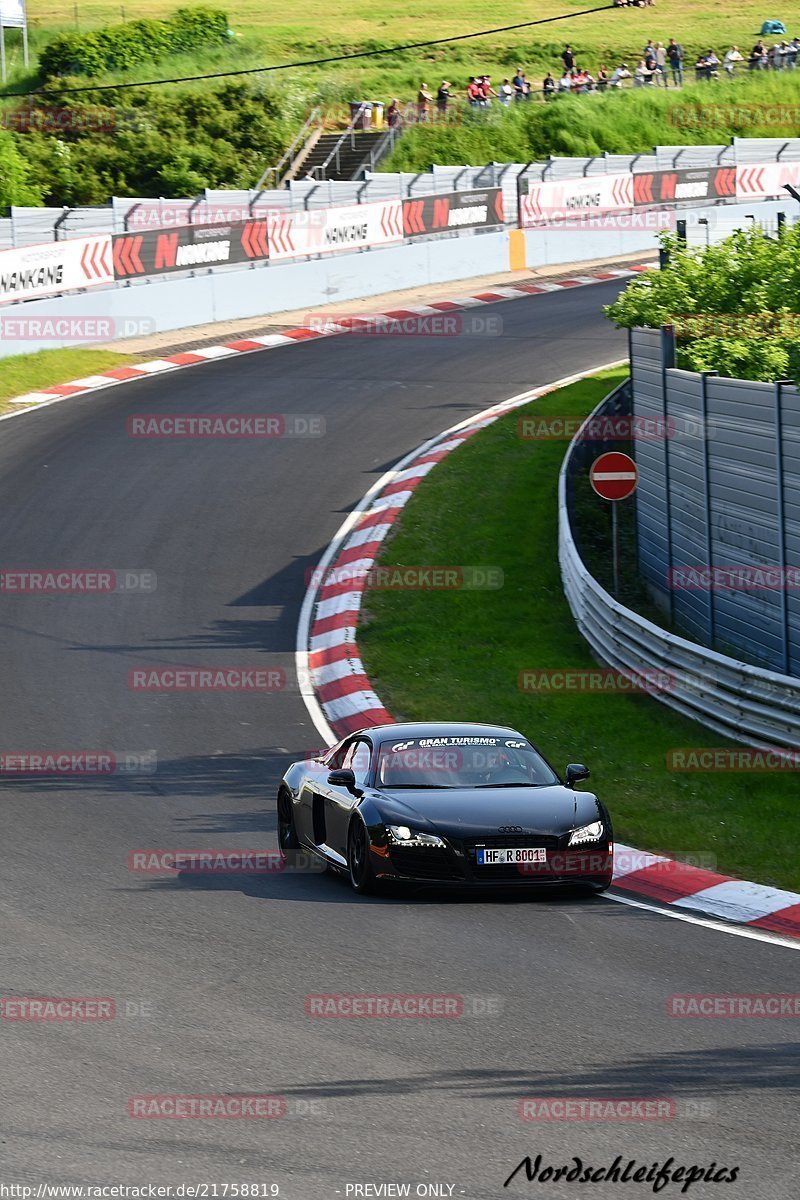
x=745, y=703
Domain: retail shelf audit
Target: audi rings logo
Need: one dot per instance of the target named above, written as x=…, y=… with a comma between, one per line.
x=510, y=829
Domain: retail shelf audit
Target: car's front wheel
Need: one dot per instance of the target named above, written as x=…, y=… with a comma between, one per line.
x=287, y=836
x=362, y=878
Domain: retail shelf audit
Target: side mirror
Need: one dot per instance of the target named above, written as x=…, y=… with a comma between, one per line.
x=344, y=778
x=575, y=772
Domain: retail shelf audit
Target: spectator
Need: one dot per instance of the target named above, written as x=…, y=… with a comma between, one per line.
x=518, y=83
x=758, y=57
x=661, y=65
x=487, y=89
x=649, y=53
x=565, y=83
x=602, y=78
x=568, y=59
x=791, y=57
x=474, y=93
x=393, y=115
x=506, y=92
x=731, y=59
x=675, y=57
x=618, y=74
x=712, y=65
x=643, y=75
x=443, y=97
x=548, y=87
x=526, y=88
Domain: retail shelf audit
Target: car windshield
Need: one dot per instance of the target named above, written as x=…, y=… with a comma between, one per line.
x=461, y=762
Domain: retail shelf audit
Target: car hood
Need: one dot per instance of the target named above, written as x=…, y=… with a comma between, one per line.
x=472, y=812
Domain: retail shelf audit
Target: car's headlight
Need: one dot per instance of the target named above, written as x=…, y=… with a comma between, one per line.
x=413, y=837
x=587, y=833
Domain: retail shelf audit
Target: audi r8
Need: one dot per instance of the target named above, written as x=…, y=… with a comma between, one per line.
x=435, y=803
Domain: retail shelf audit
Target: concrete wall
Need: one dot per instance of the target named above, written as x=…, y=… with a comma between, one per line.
x=165, y=303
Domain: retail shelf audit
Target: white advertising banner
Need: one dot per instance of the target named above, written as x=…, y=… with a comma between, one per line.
x=757, y=180
x=558, y=200
x=325, y=230
x=33, y=271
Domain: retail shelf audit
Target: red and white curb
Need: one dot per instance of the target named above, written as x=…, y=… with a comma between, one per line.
x=190, y=358
x=341, y=698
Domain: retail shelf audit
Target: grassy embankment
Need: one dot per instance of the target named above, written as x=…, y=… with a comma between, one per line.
x=458, y=655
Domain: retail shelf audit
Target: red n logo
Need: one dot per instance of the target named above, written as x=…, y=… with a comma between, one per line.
x=441, y=212
x=166, y=250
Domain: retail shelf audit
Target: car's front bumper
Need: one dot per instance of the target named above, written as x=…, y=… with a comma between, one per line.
x=456, y=864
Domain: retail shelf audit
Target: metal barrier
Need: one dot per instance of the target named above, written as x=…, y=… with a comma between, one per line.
x=745, y=703
x=32, y=226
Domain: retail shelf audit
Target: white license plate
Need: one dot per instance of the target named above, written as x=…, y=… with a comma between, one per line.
x=516, y=855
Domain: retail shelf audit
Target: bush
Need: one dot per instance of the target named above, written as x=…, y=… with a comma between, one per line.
x=160, y=143
x=120, y=47
x=15, y=183
x=734, y=305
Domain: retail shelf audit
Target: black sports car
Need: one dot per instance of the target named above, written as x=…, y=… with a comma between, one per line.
x=473, y=805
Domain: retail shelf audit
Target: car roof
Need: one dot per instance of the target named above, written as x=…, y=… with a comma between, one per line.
x=433, y=729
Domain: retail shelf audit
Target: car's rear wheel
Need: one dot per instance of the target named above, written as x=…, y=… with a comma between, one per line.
x=362, y=878
x=288, y=841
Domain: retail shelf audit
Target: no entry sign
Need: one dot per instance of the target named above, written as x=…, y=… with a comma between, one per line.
x=614, y=476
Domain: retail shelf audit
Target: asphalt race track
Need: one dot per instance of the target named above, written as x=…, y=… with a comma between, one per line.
x=209, y=975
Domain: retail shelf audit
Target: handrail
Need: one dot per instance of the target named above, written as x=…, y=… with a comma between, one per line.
x=275, y=174
x=320, y=172
x=748, y=704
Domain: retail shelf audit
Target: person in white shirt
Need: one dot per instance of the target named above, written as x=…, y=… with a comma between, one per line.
x=618, y=74
x=731, y=59
x=506, y=92
x=565, y=83
x=661, y=65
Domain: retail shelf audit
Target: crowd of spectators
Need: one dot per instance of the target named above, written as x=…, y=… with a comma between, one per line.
x=659, y=66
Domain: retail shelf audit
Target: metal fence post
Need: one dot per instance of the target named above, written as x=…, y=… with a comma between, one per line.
x=781, y=514
x=667, y=363
x=704, y=375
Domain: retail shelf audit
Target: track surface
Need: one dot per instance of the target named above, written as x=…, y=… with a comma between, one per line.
x=224, y=965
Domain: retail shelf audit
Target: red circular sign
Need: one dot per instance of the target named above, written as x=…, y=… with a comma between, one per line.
x=614, y=476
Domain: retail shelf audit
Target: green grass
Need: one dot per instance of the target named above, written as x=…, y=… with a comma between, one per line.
x=458, y=655
x=269, y=35
x=757, y=104
x=29, y=372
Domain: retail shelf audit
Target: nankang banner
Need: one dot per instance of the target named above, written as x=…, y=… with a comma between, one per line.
x=45, y=270
x=453, y=211
x=189, y=248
